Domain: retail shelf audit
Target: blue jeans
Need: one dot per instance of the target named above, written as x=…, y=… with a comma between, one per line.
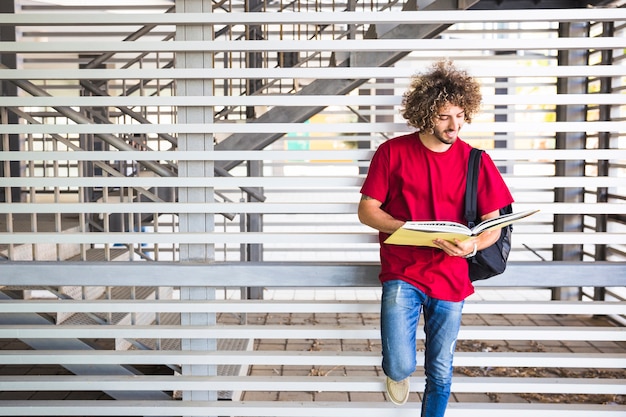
x=400, y=310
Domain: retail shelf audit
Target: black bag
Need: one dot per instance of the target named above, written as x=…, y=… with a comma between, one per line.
x=492, y=260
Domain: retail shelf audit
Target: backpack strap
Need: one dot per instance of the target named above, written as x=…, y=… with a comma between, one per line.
x=471, y=187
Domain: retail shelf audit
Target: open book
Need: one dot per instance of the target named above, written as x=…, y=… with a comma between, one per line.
x=423, y=233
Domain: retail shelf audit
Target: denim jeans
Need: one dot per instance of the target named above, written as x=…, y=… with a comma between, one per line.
x=400, y=310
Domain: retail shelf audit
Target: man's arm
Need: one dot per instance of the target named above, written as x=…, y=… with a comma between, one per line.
x=373, y=216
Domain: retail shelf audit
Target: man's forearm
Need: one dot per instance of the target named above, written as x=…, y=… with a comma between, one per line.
x=373, y=216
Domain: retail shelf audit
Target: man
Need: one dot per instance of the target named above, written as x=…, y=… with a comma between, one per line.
x=421, y=177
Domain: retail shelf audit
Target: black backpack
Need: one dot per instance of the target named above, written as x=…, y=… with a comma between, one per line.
x=491, y=261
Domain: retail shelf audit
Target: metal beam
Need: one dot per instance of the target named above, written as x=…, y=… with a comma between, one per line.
x=287, y=274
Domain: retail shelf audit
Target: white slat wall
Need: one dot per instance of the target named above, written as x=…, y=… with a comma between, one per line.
x=310, y=182
x=330, y=177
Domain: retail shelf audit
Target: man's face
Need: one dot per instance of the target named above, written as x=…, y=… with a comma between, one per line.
x=448, y=122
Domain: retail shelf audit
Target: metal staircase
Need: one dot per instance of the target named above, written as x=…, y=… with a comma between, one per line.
x=278, y=114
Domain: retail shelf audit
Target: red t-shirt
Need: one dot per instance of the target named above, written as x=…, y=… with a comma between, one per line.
x=417, y=184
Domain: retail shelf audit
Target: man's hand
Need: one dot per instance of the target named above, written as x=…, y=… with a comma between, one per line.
x=464, y=249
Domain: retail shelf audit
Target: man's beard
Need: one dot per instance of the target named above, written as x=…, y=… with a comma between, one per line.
x=443, y=138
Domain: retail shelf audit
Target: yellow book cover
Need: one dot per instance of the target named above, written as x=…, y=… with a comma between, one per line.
x=423, y=233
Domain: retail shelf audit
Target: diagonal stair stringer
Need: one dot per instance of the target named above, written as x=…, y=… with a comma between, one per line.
x=77, y=344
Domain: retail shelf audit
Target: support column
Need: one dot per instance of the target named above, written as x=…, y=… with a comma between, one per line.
x=254, y=223
x=196, y=222
x=8, y=89
x=570, y=140
x=501, y=139
x=253, y=59
x=604, y=142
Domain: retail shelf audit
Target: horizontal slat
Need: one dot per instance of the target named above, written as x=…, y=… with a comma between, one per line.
x=267, y=208
x=300, y=358
x=410, y=17
x=338, y=45
x=303, y=332
x=295, y=408
x=176, y=306
x=544, y=307
x=300, y=72
x=303, y=127
x=336, y=307
x=289, y=409
x=539, y=182
x=196, y=237
x=278, y=238
x=288, y=274
x=296, y=100
x=213, y=128
x=331, y=182
x=327, y=383
x=186, y=182
x=270, y=208
x=268, y=155
x=201, y=155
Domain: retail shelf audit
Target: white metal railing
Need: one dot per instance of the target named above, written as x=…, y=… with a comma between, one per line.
x=372, y=45
x=348, y=100
x=302, y=128
x=389, y=17
x=304, y=73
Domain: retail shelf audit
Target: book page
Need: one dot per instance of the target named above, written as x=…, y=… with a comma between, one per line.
x=501, y=221
x=438, y=226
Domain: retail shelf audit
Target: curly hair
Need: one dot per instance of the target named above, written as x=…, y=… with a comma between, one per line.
x=429, y=92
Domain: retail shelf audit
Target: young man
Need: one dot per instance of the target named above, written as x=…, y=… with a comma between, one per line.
x=420, y=177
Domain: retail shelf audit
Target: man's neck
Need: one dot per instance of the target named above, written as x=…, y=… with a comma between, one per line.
x=433, y=143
